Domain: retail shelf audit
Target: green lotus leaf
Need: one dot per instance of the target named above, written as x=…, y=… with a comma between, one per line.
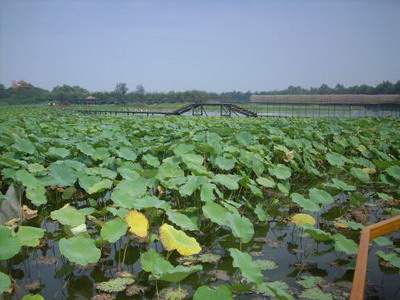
x=80, y=250
x=151, y=160
x=58, y=152
x=113, y=230
x=225, y=163
x=62, y=174
x=341, y=185
x=29, y=236
x=394, y=171
x=241, y=227
x=126, y=153
x=308, y=281
x=68, y=215
x=229, y=181
x=24, y=146
x=207, y=192
x=181, y=149
x=260, y=212
x=127, y=191
x=280, y=171
x=344, y=244
x=162, y=269
x=249, y=269
x=245, y=138
x=392, y=258
x=266, y=182
x=192, y=184
x=383, y=241
x=221, y=292
x=360, y=174
x=385, y=197
x=103, y=172
x=320, y=196
x=336, y=159
x=192, y=160
x=216, y=213
x=35, y=190
x=317, y=234
x=179, y=273
x=10, y=244
x=305, y=203
x=94, y=184
x=86, y=149
x=275, y=289
x=181, y=220
x=5, y=283
x=169, y=169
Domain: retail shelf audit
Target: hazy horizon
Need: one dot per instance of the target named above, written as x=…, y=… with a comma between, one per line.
x=207, y=45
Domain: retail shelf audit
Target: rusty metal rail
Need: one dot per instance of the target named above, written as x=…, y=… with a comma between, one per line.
x=367, y=234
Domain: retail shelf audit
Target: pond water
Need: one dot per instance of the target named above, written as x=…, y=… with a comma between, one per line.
x=46, y=271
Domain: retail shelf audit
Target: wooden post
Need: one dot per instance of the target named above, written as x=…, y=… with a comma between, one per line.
x=367, y=234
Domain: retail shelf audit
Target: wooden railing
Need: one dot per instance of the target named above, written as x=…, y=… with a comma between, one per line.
x=368, y=234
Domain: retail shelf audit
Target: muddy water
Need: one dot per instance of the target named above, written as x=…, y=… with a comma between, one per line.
x=295, y=255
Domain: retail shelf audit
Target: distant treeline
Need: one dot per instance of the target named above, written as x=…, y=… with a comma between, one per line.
x=28, y=93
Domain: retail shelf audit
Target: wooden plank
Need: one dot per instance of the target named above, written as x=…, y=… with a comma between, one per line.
x=360, y=274
x=367, y=234
x=384, y=227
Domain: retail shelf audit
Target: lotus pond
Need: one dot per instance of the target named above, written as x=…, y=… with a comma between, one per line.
x=202, y=208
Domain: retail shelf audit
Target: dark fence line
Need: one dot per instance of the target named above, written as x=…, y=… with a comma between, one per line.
x=264, y=110
x=326, y=110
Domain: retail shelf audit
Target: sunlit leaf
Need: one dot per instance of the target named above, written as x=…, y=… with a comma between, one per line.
x=303, y=219
x=173, y=239
x=138, y=223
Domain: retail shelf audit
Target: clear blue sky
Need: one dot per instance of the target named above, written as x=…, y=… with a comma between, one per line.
x=206, y=44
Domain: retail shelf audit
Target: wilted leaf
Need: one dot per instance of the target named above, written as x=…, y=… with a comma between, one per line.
x=115, y=285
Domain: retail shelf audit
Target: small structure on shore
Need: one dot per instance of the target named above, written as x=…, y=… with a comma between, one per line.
x=90, y=100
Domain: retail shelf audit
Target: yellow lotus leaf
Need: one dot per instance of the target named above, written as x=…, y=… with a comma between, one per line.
x=303, y=219
x=138, y=223
x=173, y=239
x=369, y=171
x=340, y=225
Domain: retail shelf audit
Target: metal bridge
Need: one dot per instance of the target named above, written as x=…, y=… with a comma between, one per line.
x=197, y=109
